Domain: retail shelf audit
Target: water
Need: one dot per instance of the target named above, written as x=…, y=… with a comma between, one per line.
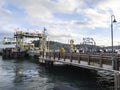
x=25, y=75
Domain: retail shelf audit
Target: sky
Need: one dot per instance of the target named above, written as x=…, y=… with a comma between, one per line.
x=63, y=19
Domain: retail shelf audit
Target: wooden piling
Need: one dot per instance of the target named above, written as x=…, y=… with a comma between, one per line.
x=64, y=56
x=78, y=58
x=100, y=61
x=117, y=63
x=49, y=55
x=54, y=55
x=46, y=54
x=70, y=57
x=88, y=59
x=117, y=80
x=59, y=56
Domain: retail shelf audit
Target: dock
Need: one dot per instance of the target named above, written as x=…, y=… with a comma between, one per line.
x=88, y=61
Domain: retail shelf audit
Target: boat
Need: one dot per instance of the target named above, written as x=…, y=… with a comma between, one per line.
x=7, y=42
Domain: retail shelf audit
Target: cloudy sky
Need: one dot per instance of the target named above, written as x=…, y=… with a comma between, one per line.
x=63, y=19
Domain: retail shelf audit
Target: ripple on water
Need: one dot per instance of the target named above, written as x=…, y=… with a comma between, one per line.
x=24, y=75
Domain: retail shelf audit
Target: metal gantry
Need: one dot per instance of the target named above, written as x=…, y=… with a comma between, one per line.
x=89, y=44
x=20, y=35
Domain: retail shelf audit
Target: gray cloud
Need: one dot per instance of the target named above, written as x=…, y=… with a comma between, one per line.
x=41, y=13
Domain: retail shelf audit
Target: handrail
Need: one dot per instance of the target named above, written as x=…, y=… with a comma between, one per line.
x=101, y=59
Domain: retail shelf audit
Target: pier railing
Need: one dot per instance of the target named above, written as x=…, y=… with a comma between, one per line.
x=91, y=59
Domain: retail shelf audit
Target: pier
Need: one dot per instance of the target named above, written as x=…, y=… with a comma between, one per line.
x=89, y=61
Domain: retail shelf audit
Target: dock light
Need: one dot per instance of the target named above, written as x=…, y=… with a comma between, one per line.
x=113, y=20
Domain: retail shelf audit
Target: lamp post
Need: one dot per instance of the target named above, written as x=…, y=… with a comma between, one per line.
x=113, y=20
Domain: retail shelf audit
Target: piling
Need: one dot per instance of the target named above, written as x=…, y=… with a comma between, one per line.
x=117, y=80
x=70, y=57
x=88, y=59
x=78, y=58
x=100, y=61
